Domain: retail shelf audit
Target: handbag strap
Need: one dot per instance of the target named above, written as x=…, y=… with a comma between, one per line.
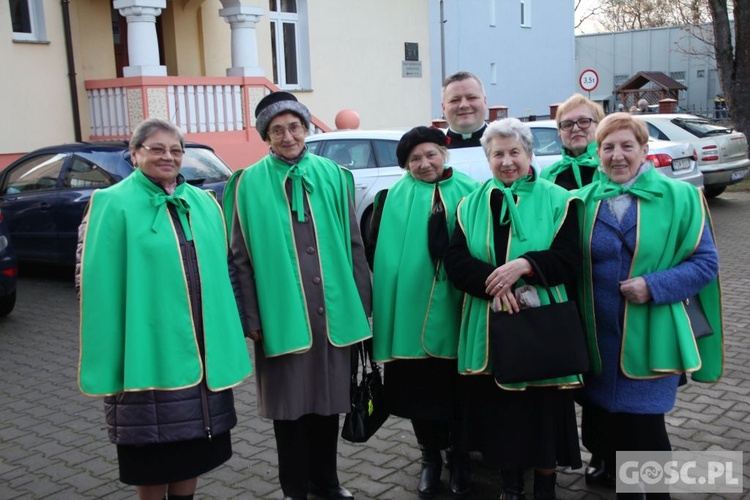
x=539, y=275
x=361, y=355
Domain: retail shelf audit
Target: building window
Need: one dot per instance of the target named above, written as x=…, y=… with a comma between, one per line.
x=289, y=47
x=27, y=19
x=526, y=13
x=701, y=73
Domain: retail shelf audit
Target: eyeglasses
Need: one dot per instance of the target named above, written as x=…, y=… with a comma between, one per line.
x=277, y=132
x=583, y=123
x=160, y=151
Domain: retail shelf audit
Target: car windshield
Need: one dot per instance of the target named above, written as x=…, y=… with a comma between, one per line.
x=201, y=165
x=700, y=128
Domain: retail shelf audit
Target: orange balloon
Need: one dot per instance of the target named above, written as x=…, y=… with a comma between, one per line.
x=347, y=119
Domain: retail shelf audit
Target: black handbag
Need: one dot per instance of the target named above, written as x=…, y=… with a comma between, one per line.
x=368, y=410
x=538, y=343
x=698, y=320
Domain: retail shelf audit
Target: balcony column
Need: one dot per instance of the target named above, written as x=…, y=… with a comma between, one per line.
x=242, y=21
x=143, y=45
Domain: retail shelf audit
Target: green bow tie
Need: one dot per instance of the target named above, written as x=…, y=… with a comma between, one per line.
x=587, y=159
x=182, y=207
x=299, y=181
x=509, y=210
x=609, y=189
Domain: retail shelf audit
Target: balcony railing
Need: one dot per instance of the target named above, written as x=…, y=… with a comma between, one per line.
x=196, y=105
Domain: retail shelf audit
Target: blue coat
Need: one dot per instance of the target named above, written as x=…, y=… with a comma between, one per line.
x=611, y=263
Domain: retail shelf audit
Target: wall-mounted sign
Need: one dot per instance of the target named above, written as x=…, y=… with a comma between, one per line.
x=411, y=51
x=411, y=69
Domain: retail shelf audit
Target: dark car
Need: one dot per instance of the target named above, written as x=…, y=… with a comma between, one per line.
x=8, y=271
x=44, y=193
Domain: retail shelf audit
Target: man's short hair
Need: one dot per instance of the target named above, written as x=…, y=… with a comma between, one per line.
x=460, y=76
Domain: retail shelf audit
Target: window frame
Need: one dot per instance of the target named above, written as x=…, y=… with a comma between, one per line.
x=277, y=20
x=526, y=13
x=36, y=21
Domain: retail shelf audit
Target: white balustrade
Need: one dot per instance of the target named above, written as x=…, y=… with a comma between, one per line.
x=213, y=108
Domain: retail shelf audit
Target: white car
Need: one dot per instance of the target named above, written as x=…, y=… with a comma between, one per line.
x=722, y=153
x=371, y=157
x=673, y=159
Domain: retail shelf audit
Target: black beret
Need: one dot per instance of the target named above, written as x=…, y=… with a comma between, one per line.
x=275, y=104
x=414, y=138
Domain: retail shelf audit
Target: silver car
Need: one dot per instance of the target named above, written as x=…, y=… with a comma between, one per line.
x=722, y=153
x=673, y=159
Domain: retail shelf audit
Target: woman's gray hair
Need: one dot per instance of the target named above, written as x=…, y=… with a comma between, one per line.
x=150, y=125
x=508, y=127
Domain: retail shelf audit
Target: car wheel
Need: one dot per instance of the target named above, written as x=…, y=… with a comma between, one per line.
x=7, y=303
x=713, y=191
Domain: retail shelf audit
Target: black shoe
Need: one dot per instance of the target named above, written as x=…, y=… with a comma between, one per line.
x=596, y=473
x=332, y=492
x=460, y=482
x=429, y=476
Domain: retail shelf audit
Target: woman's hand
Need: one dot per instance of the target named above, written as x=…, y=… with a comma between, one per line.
x=635, y=290
x=506, y=302
x=500, y=282
x=504, y=277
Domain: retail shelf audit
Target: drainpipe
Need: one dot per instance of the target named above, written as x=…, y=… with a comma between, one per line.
x=71, y=70
x=442, y=43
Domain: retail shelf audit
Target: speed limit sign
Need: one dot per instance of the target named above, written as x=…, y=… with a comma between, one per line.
x=588, y=80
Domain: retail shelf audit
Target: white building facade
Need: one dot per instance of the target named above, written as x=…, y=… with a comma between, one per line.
x=522, y=50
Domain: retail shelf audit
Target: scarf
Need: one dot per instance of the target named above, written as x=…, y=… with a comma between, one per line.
x=587, y=159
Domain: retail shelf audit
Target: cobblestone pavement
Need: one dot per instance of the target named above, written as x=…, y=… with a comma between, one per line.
x=53, y=441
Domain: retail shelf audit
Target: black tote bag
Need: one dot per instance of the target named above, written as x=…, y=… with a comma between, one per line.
x=538, y=343
x=368, y=410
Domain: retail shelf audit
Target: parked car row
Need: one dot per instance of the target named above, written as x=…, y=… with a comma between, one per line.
x=721, y=152
x=43, y=194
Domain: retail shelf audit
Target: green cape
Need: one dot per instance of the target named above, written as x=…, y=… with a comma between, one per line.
x=657, y=338
x=587, y=159
x=535, y=220
x=416, y=310
x=137, y=330
x=265, y=216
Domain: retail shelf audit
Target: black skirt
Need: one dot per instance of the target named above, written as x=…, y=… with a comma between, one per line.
x=520, y=429
x=165, y=463
x=422, y=388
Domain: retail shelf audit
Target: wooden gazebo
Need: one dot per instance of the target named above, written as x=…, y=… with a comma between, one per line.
x=650, y=85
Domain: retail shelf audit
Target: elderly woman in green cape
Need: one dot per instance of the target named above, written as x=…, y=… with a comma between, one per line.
x=514, y=216
x=577, y=119
x=160, y=335
x=648, y=246
x=303, y=288
x=416, y=310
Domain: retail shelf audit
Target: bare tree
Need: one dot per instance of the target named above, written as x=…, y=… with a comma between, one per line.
x=621, y=15
x=583, y=13
x=733, y=60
